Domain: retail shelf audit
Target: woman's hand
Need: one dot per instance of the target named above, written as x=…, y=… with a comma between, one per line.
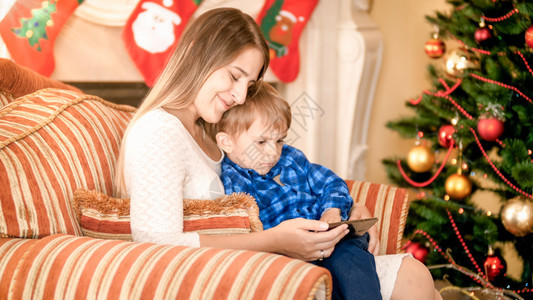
x=359, y=211
x=304, y=239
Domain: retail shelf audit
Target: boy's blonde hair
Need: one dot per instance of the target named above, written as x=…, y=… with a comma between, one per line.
x=266, y=104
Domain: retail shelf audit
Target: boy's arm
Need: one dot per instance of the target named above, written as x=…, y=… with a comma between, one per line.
x=331, y=215
x=233, y=182
x=330, y=189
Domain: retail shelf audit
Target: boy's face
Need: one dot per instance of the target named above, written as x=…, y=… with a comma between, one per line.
x=258, y=148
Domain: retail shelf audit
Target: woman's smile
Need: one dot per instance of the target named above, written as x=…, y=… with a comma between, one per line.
x=226, y=103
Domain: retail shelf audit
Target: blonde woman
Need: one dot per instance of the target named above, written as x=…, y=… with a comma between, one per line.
x=166, y=155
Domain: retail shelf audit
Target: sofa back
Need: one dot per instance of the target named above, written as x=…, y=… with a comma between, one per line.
x=53, y=142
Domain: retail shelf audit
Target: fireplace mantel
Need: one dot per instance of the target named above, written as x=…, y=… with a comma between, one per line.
x=340, y=58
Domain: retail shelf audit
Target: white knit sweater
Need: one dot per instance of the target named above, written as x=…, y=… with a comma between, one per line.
x=164, y=165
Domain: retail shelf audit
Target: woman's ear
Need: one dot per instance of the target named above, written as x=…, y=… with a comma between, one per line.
x=224, y=141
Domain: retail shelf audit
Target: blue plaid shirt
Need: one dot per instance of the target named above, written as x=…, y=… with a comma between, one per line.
x=307, y=190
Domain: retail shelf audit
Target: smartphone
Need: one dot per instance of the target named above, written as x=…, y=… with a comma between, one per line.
x=356, y=227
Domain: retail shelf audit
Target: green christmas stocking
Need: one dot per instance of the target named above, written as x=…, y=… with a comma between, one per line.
x=30, y=28
x=282, y=22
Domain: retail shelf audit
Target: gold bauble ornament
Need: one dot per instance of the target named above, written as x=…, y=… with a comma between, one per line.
x=457, y=61
x=458, y=186
x=517, y=216
x=420, y=159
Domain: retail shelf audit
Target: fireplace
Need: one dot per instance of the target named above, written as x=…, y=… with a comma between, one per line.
x=340, y=57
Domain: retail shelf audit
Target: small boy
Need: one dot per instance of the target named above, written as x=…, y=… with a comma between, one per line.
x=286, y=186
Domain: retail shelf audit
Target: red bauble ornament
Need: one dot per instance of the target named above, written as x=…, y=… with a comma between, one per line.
x=418, y=251
x=435, y=48
x=529, y=36
x=482, y=35
x=495, y=266
x=490, y=129
x=446, y=135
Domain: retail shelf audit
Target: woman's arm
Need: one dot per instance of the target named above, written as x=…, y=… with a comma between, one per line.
x=155, y=169
x=359, y=211
x=297, y=238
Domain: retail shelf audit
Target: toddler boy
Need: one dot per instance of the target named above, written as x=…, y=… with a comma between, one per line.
x=286, y=185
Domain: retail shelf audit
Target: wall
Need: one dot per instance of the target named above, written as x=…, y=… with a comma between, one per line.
x=403, y=74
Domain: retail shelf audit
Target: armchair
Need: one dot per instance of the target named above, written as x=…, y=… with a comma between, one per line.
x=58, y=139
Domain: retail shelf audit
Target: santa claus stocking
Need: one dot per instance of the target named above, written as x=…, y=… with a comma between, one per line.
x=152, y=32
x=282, y=22
x=30, y=28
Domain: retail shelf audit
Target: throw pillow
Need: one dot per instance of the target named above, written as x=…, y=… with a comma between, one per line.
x=102, y=216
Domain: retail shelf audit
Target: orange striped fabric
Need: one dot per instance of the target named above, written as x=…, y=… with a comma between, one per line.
x=71, y=267
x=389, y=204
x=53, y=142
x=5, y=99
x=102, y=216
x=11, y=253
x=111, y=226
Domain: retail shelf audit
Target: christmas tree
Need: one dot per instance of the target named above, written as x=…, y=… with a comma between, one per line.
x=473, y=134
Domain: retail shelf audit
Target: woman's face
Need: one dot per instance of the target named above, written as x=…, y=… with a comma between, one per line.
x=227, y=86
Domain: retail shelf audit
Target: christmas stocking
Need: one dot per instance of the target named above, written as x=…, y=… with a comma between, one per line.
x=282, y=22
x=30, y=28
x=152, y=32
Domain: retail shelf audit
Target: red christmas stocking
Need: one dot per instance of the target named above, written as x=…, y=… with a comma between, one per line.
x=152, y=32
x=282, y=22
x=30, y=28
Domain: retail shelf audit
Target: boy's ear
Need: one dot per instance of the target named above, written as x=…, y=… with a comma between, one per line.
x=224, y=141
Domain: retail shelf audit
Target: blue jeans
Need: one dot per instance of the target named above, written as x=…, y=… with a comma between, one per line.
x=353, y=269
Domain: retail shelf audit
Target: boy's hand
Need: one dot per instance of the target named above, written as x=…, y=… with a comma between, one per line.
x=331, y=215
x=359, y=211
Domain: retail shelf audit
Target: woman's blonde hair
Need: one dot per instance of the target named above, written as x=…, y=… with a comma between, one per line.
x=210, y=42
x=266, y=105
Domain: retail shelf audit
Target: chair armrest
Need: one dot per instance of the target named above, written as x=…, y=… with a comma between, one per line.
x=389, y=204
x=12, y=251
x=72, y=267
x=18, y=80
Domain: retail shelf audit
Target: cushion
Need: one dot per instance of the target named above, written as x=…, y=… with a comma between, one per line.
x=17, y=81
x=106, y=217
x=53, y=142
x=71, y=267
x=12, y=251
x=390, y=205
x=102, y=216
x=5, y=98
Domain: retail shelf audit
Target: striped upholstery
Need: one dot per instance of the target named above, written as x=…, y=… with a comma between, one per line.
x=5, y=99
x=70, y=267
x=11, y=253
x=390, y=204
x=105, y=217
x=53, y=142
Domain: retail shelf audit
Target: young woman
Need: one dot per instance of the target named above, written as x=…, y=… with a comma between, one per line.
x=166, y=155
